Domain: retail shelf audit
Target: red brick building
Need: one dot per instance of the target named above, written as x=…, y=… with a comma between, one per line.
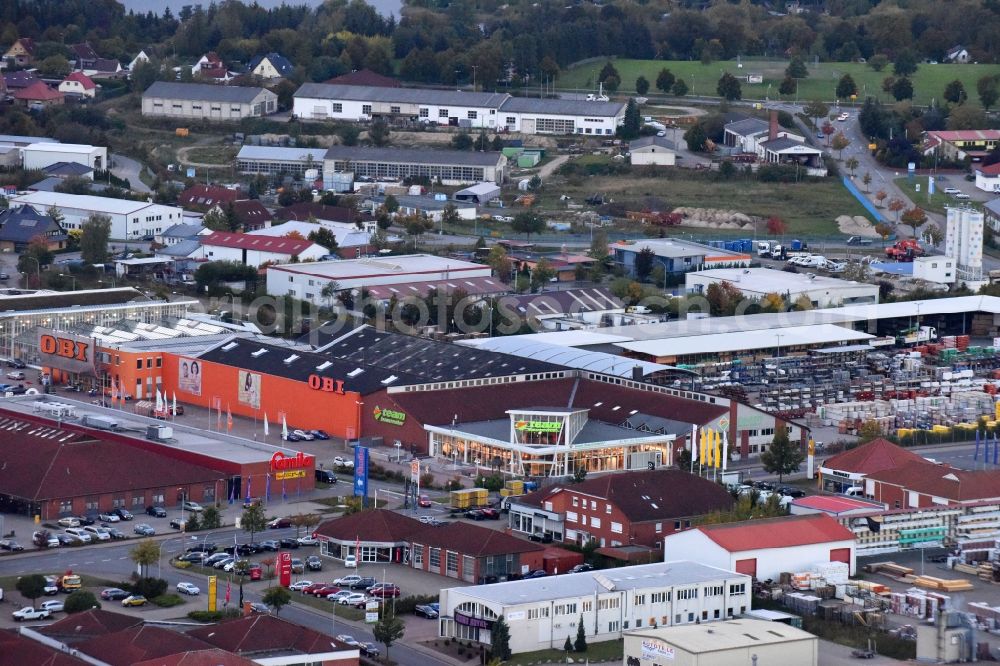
x=474, y=554
x=624, y=509
x=925, y=484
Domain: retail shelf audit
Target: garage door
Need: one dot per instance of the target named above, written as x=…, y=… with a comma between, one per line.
x=840, y=555
x=748, y=567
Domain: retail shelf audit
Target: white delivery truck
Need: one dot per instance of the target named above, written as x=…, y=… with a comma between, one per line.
x=763, y=248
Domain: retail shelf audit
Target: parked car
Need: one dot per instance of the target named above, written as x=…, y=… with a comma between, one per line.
x=97, y=533
x=224, y=562
x=297, y=566
x=260, y=607
x=192, y=506
x=475, y=514
x=69, y=521
x=113, y=594
x=311, y=589
x=347, y=581
x=123, y=514
x=64, y=539
x=16, y=374
x=347, y=640
x=337, y=596
x=325, y=476
x=279, y=523
x=952, y=190
x=490, y=512
x=300, y=585
x=53, y=606
x=351, y=561
x=537, y=573
x=308, y=540
x=156, y=511
x=791, y=491
x=116, y=533
x=291, y=437
x=206, y=547
x=363, y=583
x=962, y=197
x=193, y=558
x=28, y=613
x=288, y=543
x=342, y=462
x=314, y=563
x=369, y=650
x=11, y=545
x=44, y=539
x=324, y=591
x=86, y=520
x=188, y=588
x=354, y=599
x=215, y=558
x=270, y=544
x=78, y=533
x=134, y=600
x=319, y=434
x=580, y=568
x=177, y=523
x=426, y=610
x=384, y=590
x=303, y=434
x=144, y=529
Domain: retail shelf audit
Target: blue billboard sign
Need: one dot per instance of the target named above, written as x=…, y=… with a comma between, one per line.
x=360, y=471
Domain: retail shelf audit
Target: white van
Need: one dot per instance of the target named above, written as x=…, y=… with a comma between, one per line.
x=855, y=491
x=79, y=533
x=97, y=533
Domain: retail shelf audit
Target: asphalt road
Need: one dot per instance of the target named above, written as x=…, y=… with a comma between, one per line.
x=112, y=561
x=126, y=167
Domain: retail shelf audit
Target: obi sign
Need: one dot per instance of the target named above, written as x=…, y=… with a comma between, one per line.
x=291, y=467
x=326, y=384
x=390, y=416
x=65, y=351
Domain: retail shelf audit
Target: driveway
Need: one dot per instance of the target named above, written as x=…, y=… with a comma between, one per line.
x=128, y=168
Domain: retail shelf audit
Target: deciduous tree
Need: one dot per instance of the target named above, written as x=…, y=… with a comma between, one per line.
x=31, y=587
x=253, y=519
x=989, y=91
x=782, y=456
x=840, y=142
x=880, y=197
x=846, y=87
x=867, y=180
x=914, y=218
x=665, y=80
x=896, y=205
x=79, y=601
x=528, y=223
x=729, y=87
x=277, y=598
x=94, y=240
x=955, y=93
x=680, y=88
x=388, y=630
x=641, y=85
x=852, y=164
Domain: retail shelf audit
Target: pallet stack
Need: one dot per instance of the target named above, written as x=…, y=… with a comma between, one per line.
x=943, y=584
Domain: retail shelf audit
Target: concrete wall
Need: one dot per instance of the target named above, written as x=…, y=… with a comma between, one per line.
x=653, y=155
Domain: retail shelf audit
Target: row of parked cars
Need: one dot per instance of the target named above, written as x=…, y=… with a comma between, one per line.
x=225, y=559
x=352, y=590
x=302, y=435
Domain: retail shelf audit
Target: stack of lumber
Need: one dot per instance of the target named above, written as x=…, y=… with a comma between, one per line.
x=943, y=584
x=889, y=569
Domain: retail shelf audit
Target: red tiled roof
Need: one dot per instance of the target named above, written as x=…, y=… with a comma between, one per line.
x=84, y=80
x=365, y=77
x=204, y=197
x=89, y=624
x=991, y=170
x=655, y=495
x=473, y=540
x=943, y=481
x=214, y=657
x=139, y=644
x=43, y=463
x=17, y=649
x=832, y=503
x=263, y=633
x=783, y=532
x=38, y=91
x=375, y=525
x=279, y=245
x=966, y=135
x=875, y=456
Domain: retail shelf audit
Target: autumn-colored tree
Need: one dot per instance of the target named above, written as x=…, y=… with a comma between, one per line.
x=914, y=218
x=852, y=164
x=839, y=143
x=880, y=197
x=828, y=129
x=883, y=230
x=723, y=298
x=867, y=180
x=896, y=205
x=776, y=226
x=772, y=303
x=295, y=235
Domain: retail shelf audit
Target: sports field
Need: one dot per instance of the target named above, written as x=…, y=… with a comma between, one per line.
x=928, y=83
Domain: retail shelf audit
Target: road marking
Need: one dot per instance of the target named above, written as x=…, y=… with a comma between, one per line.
x=90, y=562
x=107, y=560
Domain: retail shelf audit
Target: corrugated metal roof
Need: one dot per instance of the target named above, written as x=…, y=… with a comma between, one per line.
x=783, y=532
x=401, y=95
x=412, y=156
x=562, y=107
x=282, y=154
x=528, y=346
x=203, y=92
x=792, y=336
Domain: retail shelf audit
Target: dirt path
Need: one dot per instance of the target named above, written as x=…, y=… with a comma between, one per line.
x=550, y=168
x=182, y=154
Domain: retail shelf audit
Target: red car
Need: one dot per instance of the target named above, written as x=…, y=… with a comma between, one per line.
x=490, y=513
x=321, y=592
x=424, y=501
x=279, y=523
x=384, y=590
x=311, y=589
x=256, y=571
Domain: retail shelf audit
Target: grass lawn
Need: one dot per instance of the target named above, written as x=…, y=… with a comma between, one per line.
x=809, y=209
x=597, y=652
x=937, y=201
x=222, y=155
x=928, y=83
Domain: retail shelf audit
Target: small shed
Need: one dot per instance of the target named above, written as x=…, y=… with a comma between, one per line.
x=480, y=193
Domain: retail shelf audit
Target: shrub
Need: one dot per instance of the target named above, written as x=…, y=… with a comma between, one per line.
x=181, y=564
x=148, y=587
x=408, y=604
x=167, y=600
x=212, y=616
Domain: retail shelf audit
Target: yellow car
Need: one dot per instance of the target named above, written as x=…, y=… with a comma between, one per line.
x=134, y=600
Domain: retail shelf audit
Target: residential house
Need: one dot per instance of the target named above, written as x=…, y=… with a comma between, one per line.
x=303, y=211
x=39, y=95
x=84, y=56
x=957, y=54
x=211, y=67
x=14, y=81
x=203, y=198
x=958, y=145
x=270, y=66
x=988, y=178
x=430, y=206
x=619, y=510
x=766, y=548
x=21, y=53
x=180, y=232
x=206, y=101
x=351, y=240
x=105, y=68
x=78, y=84
x=365, y=77
x=139, y=58
x=20, y=225
x=653, y=151
x=251, y=214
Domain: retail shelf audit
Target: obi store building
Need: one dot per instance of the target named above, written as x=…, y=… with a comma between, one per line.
x=550, y=441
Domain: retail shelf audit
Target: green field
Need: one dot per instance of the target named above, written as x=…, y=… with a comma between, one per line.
x=928, y=83
x=937, y=201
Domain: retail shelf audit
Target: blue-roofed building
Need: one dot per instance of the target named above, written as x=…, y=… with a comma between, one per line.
x=271, y=66
x=21, y=224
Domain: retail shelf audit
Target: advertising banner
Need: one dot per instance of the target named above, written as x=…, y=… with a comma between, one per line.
x=284, y=568
x=360, y=471
x=189, y=376
x=65, y=351
x=652, y=650
x=248, y=390
x=213, y=592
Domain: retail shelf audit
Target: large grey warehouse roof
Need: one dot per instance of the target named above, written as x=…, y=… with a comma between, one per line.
x=412, y=156
x=401, y=95
x=639, y=577
x=203, y=92
x=281, y=154
x=561, y=107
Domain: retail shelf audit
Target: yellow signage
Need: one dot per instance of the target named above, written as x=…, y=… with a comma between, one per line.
x=213, y=591
x=290, y=474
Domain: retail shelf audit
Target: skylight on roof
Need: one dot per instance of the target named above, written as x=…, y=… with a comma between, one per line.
x=323, y=366
x=259, y=353
x=355, y=372
x=231, y=345
x=291, y=358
